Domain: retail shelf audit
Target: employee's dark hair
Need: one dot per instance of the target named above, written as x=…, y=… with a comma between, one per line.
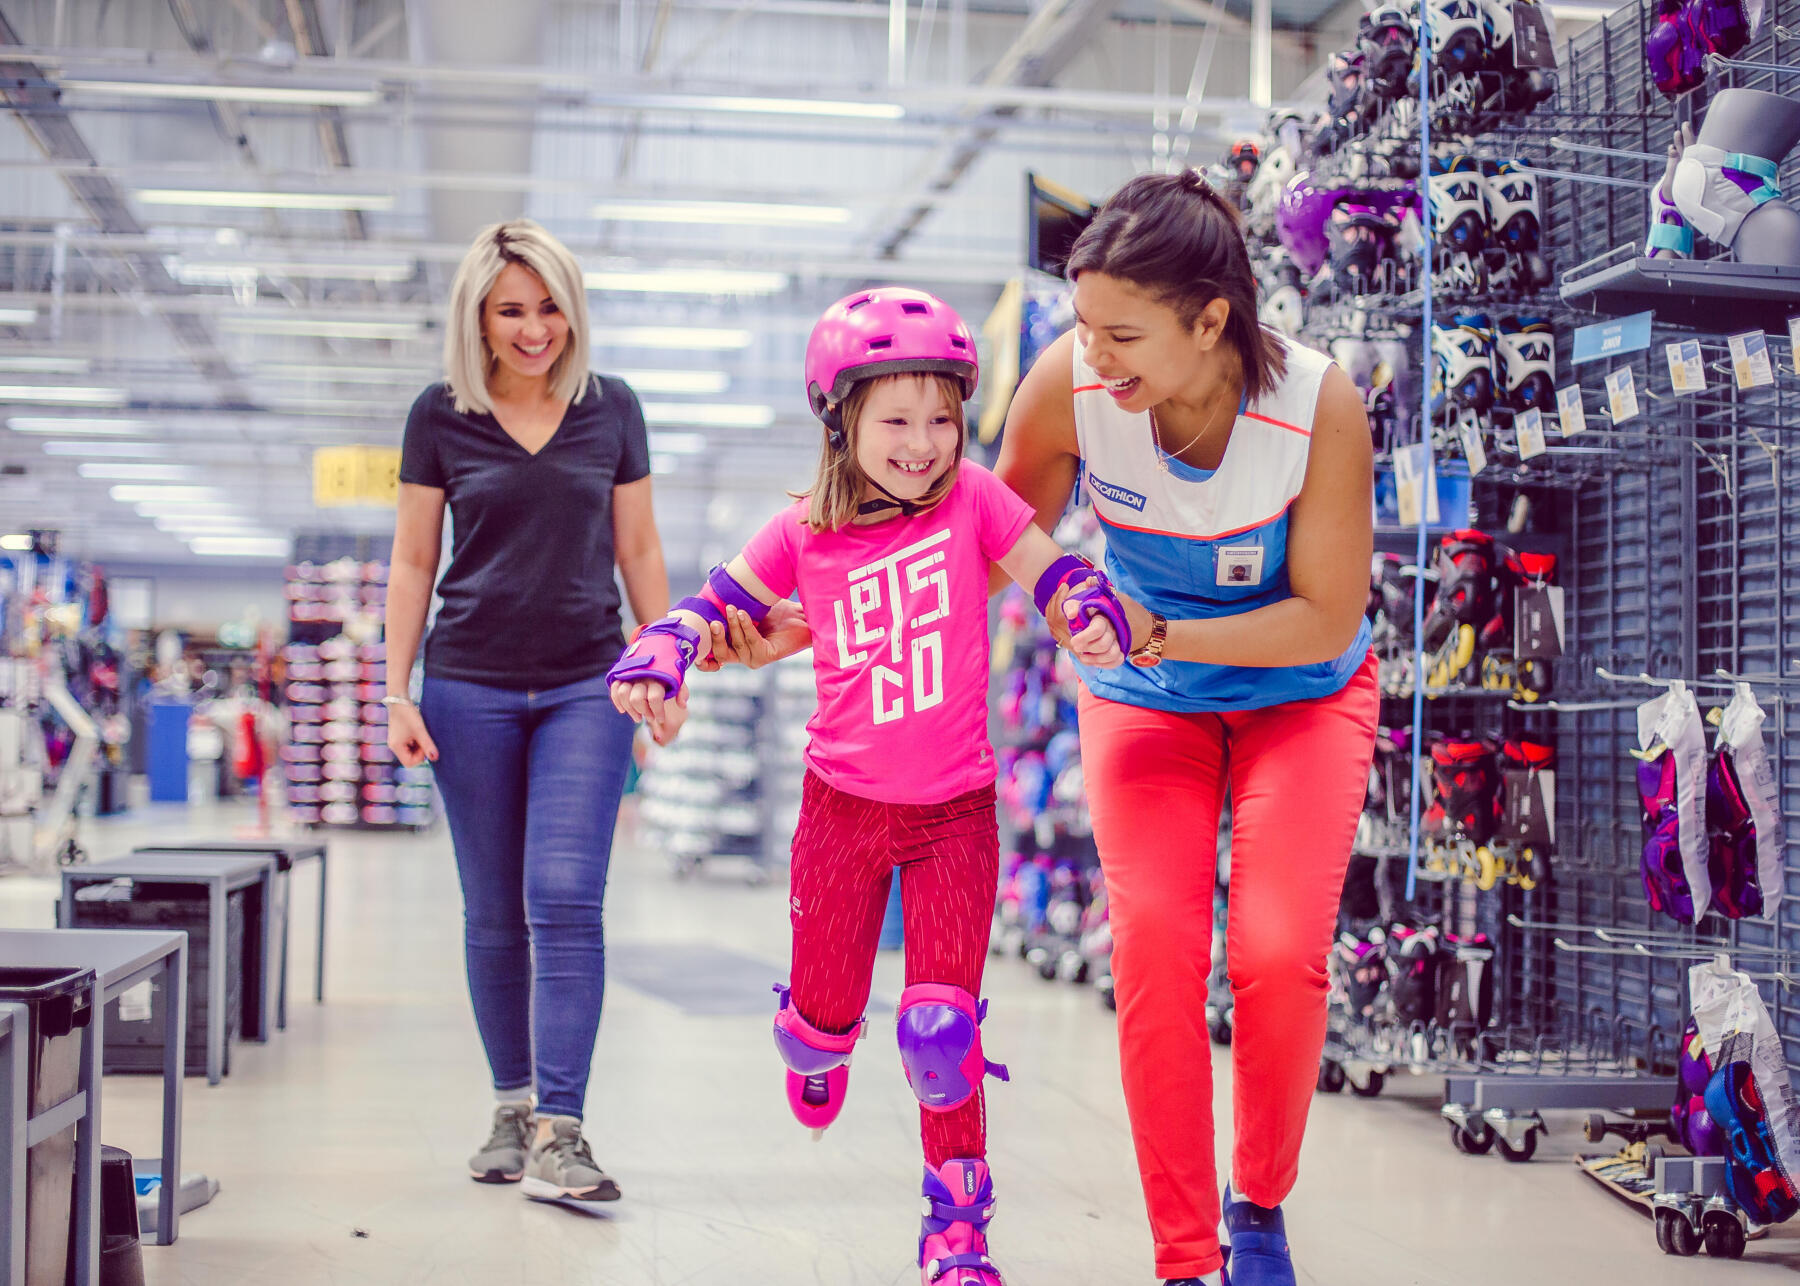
x=1174, y=236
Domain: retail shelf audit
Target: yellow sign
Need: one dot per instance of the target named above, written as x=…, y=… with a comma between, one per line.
x=344, y=476
x=1001, y=330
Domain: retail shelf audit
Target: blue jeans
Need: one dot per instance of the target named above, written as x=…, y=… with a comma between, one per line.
x=531, y=782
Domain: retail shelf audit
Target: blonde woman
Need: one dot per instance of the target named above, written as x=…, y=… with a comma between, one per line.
x=545, y=469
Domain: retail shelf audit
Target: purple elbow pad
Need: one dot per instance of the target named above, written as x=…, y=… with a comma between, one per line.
x=720, y=592
x=1094, y=600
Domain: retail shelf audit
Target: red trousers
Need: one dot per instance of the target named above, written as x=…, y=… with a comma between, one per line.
x=846, y=851
x=1297, y=774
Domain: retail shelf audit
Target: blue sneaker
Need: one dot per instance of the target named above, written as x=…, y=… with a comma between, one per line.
x=1256, y=1245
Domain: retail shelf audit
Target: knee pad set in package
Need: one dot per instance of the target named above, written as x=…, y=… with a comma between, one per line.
x=1672, y=786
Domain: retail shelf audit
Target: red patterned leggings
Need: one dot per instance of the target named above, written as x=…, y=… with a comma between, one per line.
x=845, y=853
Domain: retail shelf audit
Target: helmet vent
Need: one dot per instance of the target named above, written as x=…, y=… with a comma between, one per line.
x=854, y=304
x=886, y=341
x=915, y=308
x=959, y=341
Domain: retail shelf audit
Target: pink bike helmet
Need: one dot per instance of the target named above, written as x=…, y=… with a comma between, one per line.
x=886, y=331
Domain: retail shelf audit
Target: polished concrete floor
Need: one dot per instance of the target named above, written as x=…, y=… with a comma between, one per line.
x=340, y=1146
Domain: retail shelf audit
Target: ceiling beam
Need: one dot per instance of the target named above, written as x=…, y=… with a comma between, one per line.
x=47, y=124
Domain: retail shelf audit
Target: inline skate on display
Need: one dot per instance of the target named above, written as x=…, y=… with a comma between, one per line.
x=1465, y=989
x=1514, y=228
x=1526, y=348
x=1459, y=55
x=1363, y=261
x=1459, y=224
x=1463, y=818
x=1463, y=610
x=1528, y=812
x=1511, y=88
x=1389, y=40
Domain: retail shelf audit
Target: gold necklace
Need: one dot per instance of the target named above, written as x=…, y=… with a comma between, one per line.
x=1163, y=455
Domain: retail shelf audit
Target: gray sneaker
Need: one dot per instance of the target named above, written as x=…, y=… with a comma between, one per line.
x=561, y=1168
x=502, y=1157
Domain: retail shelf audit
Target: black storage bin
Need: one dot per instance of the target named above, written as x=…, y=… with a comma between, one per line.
x=137, y=1046
x=121, y=1253
x=59, y=1001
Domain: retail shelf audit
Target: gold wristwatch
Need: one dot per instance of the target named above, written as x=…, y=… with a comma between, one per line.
x=1149, y=653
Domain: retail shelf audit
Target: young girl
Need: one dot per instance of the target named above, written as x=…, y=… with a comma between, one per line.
x=890, y=551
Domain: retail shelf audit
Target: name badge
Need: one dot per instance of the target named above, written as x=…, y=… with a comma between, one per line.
x=1240, y=565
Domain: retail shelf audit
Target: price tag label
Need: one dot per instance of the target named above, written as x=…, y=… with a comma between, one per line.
x=1530, y=426
x=1569, y=410
x=356, y=476
x=1687, y=370
x=1794, y=343
x=1621, y=395
x=1408, y=484
x=1750, y=359
x=1533, y=45
x=1473, y=448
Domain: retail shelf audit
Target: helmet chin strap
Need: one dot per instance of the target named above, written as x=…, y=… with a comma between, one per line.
x=907, y=507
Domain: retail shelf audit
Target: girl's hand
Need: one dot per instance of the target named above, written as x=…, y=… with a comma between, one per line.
x=646, y=702
x=407, y=738
x=1097, y=644
x=784, y=632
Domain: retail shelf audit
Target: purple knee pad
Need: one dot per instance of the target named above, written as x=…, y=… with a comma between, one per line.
x=1731, y=842
x=818, y=1060
x=939, y=1030
x=1675, y=57
x=1665, y=878
x=1694, y=1127
x=1716, y=26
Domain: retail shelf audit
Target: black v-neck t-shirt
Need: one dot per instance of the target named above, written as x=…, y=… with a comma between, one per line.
x=529, y=599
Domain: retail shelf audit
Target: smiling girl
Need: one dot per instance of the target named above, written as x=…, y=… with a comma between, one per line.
x=890, y=551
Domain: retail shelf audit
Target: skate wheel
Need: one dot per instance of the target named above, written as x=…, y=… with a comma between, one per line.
x=818, y=1134
x=1675, y=1235
x=1524, y=1152
x=1487, y=870
x=1370, y=1087
x=1220, y=1031
x=1594, y=1128
x=1724, y=1236
x=1331, y=1077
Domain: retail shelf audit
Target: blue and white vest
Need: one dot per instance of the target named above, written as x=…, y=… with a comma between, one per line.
x=1192, y=543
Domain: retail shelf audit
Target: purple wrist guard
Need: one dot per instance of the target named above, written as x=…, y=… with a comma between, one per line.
x=662, y=651
x=721, y=591
x=1094, y=600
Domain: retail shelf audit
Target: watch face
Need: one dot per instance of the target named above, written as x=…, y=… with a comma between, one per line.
x=1145, y=660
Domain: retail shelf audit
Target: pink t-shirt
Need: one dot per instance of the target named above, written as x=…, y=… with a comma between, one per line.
x=898, y=611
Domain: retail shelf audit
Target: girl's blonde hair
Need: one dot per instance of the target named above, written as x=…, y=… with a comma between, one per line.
x=468, y=362
x=836, y=495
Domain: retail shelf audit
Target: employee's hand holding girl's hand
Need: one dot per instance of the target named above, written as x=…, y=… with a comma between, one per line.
x=1096, y=643
x=406, y=735
x=784, y=632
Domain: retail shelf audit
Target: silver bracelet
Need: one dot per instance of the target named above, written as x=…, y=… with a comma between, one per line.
x=392, y=701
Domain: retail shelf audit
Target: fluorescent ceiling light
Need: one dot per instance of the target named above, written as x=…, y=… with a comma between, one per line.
x=17, y=316
x=240, y=546
x=717, y=415
x=46, y=365
x=265, y=200
x=18, y=543
x=216, y=525
x=136, y=472
x=133, y=493
x=187, y=509
x=294, y=95
x=688, y=281
x=795, y=107
x=678, y=443
x=694, y=337
x=723, y=212
x=662, y=464
x=288, y=372
x=703, y=382
x=115, y=450
x=75, y=424
x=63, y=395
x=213, y=272
x=326, y=326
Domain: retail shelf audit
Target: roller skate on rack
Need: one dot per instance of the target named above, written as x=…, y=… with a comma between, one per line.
x=1513, y=88
x=1463, y=607
x=1459, y=223
x=1459, y=55
x=1526, y=349
x=1389, y=41
x=1528, y=782
x=1515, y=228
x=1411, y=955
x=1464, y=816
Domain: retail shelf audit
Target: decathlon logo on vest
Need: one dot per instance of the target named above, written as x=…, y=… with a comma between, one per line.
x=1114, y=492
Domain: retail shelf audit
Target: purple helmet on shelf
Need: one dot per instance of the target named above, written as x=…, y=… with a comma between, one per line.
x=1301, y=218
x=886, y=331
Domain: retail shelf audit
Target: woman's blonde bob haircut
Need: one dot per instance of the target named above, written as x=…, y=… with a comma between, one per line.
x=836, y=495
x=468, y=362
